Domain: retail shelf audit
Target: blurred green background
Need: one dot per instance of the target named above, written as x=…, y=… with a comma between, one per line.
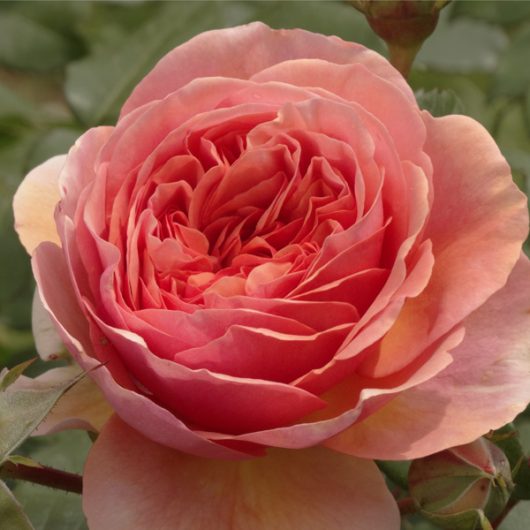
x=67, y=66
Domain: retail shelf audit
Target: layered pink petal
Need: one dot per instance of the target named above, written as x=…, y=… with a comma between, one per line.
x=34, y=204
x=140, y=411
x=485, y=387
x=241, y=52
x=131, y=482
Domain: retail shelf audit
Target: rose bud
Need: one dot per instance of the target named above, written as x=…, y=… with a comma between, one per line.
x=402, y=24
x=451, y=488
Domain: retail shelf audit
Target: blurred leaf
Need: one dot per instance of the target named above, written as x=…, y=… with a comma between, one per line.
x=517, y=518
x=523, y=427
x=519, y=160
x=97, y=86
x=11, y=513
x=15, y=270
x=56, y=141
x=21, y=411
x=440, y=102
x=15, y=345
x=61, y=17
x=27, y=45
x=12, y=375
x=331, y=18
x=47, y=508
x=107, y=24
x=512, y=76
x=527, y=109
x=466, y=88
x=462, y=46
x=12, y=104
x=511, y=129
x=503, y=12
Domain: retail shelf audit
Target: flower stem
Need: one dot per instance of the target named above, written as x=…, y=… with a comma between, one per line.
x=46, y=476
x=402, y=57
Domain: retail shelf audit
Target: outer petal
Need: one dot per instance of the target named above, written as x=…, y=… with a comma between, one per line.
x=34, y=204
x=60, y=301
x=47, y=341
x=478, y=222
x=131, y=482
x=485, y=387
x=245, y=50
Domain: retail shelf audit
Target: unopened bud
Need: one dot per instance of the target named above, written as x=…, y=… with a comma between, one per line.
x=402, y=24
x=459, y=486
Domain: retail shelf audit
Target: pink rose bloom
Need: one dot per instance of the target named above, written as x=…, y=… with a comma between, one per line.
x=275, y=248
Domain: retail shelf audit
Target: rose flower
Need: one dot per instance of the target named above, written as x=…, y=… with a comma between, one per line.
x=274, y=249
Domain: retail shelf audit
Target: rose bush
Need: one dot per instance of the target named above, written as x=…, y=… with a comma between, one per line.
x=275, y=248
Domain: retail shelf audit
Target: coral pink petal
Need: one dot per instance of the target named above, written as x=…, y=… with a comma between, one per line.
x=131, y=482
x=34, y=204
x=245, y=50
x=80, y=167
x=485, y=387
x=478, y=221
x=138, y=410
x=213, y=401
x=354, y=82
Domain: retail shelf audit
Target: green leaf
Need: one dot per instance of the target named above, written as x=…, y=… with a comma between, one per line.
x=21, y=411
x=56, y=141
x=97, y=86
x=505, y=12
x=61, y=17
x=331, y=18
x=12, y=105
x=517, y=518
x=12, y=375
x=440, y=102
x=50, y=509
x=512, y=76
x=462, y=46
x=26, y=45
x=11, y=513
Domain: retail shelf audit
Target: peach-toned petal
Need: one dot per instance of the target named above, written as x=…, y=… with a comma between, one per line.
x=34, y=204
x=48, y=343
x=478, y=222
x=485, y=387
x=131, y=482
x=220, y=53
x=140, y=411
x=354, y=82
